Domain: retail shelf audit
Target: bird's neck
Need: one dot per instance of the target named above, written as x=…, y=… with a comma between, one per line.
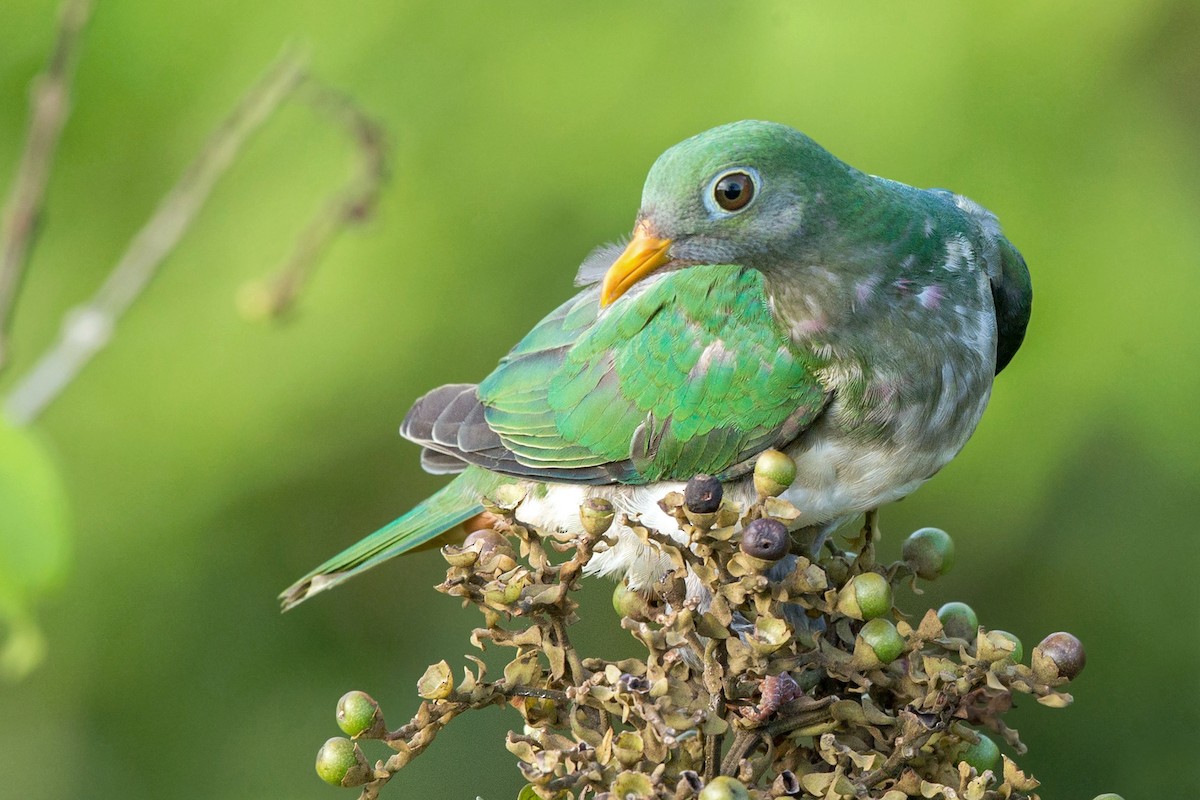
x=863, y=255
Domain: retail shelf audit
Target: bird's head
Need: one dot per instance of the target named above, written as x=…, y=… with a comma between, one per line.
x=742, y=193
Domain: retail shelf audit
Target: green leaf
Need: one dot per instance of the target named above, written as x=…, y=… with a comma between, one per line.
x=35, y=545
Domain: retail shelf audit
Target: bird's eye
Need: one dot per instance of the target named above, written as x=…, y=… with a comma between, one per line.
x=734, y=191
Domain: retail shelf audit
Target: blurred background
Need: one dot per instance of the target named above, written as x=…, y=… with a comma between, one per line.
x=207, y=461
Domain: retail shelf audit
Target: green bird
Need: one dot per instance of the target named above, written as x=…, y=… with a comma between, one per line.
x=771, y=296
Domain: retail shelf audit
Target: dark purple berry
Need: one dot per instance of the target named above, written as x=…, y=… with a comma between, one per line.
x=703, y=494
x=1059, y=655
x=767, y=539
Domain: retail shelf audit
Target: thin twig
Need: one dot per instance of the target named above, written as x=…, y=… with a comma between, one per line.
x=745, y=741
x=574, y=663
x=413, y=738
x=353, y=204
x=50, y=106
x=714, y=682
x=88, y=328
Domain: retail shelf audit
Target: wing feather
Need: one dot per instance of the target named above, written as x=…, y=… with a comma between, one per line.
x=691, y=373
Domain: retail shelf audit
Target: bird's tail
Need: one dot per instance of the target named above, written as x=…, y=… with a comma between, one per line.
x=457, y=502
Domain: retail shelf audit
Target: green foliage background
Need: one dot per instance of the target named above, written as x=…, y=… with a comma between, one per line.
x=210, y=461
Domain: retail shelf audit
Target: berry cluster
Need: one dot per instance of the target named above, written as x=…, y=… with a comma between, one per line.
x=759, y=680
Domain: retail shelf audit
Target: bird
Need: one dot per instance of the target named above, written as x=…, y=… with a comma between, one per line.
x=771, y=297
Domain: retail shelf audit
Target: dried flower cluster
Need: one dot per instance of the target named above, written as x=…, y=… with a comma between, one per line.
x=800, y=682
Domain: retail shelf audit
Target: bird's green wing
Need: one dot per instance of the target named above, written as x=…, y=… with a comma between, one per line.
x=692, y=375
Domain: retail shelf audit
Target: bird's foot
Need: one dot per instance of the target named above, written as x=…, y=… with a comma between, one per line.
x=871, y=526
x=864, y=543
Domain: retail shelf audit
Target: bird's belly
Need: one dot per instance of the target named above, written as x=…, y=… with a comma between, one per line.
x=555, y=506
x=843, y=471
x=835, y=479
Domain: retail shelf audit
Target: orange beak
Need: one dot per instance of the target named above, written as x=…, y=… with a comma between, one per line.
x=642, y=256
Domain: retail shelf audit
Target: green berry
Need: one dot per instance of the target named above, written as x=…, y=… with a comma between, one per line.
x=629, y=603
x=1108, y=796
x=358, y=713
x=773, y=473
x=929, y=552
x=341, y=763
x=837, y=568
x=982, y=755
x=703, y=494
x=881, y=636
x=865, y=596
x=597, y=514
x=1018, y=654
x=959, y=620
x=1059, y=655
x=724, y=788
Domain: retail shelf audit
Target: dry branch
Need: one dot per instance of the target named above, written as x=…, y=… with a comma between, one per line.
x=50, y=106
x=88, y=328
